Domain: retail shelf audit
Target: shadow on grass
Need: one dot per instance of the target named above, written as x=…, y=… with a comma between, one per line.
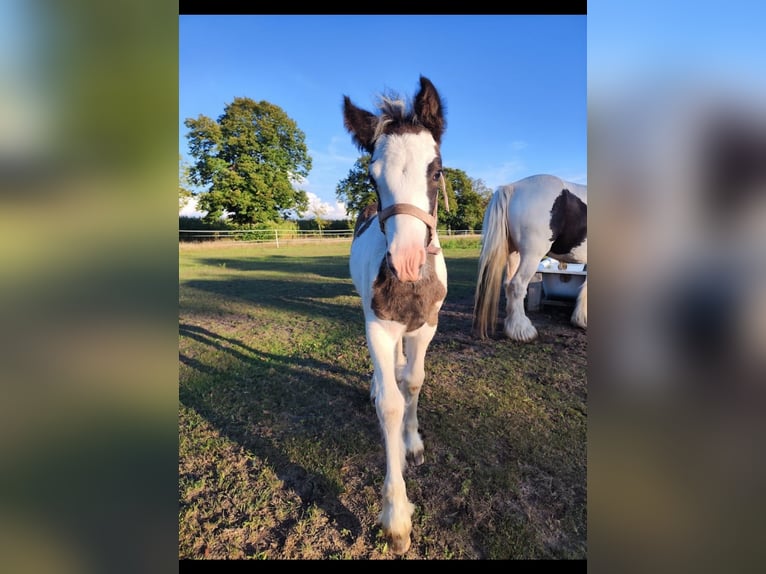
x=331, y=267
x=294, y=297
x=276, y=401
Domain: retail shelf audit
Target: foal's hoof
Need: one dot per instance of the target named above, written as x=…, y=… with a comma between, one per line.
x=417, y=458
x=400, y=544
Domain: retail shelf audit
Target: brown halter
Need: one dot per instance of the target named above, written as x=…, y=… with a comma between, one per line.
x=428, y=218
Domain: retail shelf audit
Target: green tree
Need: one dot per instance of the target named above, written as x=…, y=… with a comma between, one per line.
x=319, y=211
x=357, y=190
x=468, y=210
x=184, y=193
x=484, y=191
x=485, y=194
x=248, y=159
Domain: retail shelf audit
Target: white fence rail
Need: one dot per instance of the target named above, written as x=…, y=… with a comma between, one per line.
x=284, y=236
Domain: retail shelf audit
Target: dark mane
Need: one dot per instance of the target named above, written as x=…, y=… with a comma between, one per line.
x=396, y=117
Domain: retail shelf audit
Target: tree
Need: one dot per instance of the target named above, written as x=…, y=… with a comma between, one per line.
x=485, y=194
x=468, y=212
x=248, y=159
x=184, y=193
x=483, y=190
x=357, y=190
x=319, y=211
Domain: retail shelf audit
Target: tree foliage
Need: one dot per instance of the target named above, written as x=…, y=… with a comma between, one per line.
x=467, y=211
x=184, y=193
x=483, y=190
x=485, y=194
x=357, y=190
x=248, y=159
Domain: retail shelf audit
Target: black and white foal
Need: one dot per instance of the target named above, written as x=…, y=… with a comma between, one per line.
x=398, y=270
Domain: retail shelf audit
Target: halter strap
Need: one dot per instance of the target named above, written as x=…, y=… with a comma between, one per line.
x=428, y=218
x=407, y=209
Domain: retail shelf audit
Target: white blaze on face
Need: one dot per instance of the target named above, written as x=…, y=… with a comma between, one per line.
x=400, y=168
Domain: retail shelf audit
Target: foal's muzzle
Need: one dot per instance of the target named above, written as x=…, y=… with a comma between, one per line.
x=408, y=263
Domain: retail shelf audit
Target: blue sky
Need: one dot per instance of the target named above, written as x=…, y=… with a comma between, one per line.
x=634, y=40
x=514, y=86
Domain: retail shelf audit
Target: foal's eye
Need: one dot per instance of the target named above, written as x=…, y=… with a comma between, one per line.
x=437, y=175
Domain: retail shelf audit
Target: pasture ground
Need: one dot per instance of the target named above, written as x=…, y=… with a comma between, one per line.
x=280, y=454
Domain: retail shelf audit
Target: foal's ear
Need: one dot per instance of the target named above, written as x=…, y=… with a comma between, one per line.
x=429, y=109
x=360, y=123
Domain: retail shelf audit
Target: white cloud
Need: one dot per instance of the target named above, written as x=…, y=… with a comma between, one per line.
x=190, y=209
x=327, y=210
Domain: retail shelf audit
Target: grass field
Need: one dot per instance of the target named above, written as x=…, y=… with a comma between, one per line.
x=280, y=454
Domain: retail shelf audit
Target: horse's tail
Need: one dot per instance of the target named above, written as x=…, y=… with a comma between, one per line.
x=495, y=249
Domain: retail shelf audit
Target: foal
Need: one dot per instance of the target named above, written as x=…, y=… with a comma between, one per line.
x=398, y=269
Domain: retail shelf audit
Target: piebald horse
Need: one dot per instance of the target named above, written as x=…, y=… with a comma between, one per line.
x=535, y=217
x=398, y=269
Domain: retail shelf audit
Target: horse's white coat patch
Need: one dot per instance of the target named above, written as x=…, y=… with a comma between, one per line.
x=399, y=167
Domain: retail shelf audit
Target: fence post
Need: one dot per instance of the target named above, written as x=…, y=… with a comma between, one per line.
x=276, y=237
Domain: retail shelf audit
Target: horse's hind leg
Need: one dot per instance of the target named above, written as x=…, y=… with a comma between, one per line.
x=410, y=383
x=511, y=266
x=517, y=325
x=580, y=314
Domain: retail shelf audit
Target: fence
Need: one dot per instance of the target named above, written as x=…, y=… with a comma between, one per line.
x=287, y=236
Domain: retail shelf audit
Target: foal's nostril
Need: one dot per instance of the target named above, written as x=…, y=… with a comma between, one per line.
x=390, y=264
x=406, y=264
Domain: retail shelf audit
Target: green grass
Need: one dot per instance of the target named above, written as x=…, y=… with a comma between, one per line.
x=280, y=454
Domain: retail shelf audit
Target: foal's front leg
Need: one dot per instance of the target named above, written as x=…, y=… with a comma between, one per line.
x=400, y=362
x=410, y=384
x=396, y=514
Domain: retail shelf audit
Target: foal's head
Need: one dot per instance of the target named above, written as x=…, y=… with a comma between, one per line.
x=406, y=168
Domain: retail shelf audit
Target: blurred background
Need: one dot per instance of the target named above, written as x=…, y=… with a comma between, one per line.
x=677, y=339
x=88, y=297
